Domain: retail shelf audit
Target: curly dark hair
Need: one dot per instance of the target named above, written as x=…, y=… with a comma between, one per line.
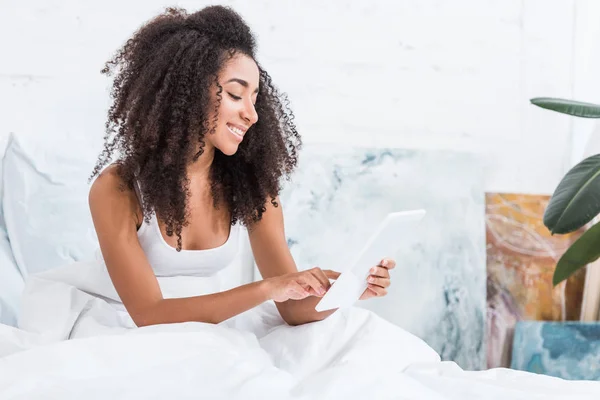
x=160, y=116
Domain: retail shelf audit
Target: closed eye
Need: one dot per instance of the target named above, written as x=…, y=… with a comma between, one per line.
x=236, y=98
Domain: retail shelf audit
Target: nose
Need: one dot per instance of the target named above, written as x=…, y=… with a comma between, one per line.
x=249, y=113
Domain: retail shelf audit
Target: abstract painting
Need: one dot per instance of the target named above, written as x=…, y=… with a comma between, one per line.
x=339, y=195
x=521, y=258
x=568, y=350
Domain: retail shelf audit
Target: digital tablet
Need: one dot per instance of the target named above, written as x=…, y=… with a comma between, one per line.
x=351, y=284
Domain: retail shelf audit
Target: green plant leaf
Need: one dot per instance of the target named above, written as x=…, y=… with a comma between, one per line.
x=584, y=251
x=576, y=200
x=570, y=107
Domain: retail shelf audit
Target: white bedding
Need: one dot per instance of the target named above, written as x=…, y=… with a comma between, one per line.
x=352, y=354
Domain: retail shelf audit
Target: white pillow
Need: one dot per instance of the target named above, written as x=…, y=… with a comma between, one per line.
x=11, y=281
x=11, y=284
x=4, y=139
x=45, y=202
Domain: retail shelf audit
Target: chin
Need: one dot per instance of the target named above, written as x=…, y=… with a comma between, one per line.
x=228, y=150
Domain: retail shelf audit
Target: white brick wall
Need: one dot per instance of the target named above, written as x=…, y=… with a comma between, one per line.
x=420, y=73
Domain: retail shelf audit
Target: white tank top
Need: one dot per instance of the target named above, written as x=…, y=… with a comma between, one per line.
x=167, y=261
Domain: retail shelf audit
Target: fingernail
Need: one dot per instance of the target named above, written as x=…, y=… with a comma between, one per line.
x=371, y=279
x=373, y=270
x=384, y=263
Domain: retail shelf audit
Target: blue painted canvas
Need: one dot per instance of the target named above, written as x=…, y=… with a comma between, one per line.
x=568, y=350
x=339, y=195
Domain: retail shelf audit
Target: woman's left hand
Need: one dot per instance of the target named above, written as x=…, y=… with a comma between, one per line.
x=379, y=279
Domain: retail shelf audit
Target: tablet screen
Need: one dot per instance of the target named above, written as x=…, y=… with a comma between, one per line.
x=383, y=243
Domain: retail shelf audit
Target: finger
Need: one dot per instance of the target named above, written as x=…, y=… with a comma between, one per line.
x=381, y=282
x=379, y=291
x=320, y=275
x=298, y=290
x=313, y=282
x=388, y=263
x=308, y=289
x=381, y=272
x=331, y=274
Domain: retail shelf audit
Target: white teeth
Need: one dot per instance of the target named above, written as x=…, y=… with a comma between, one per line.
x=235, y=130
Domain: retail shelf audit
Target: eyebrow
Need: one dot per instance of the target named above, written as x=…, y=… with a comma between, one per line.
x=241, y=82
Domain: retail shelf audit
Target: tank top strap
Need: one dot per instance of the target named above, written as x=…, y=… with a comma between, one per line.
x=138, y=192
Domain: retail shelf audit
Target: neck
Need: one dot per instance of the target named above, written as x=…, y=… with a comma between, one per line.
x=201, y=167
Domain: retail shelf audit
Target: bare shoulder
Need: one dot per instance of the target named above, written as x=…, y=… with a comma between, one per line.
x=109, y=194
x=108, y=185
x=269, y=229
x=272, y=217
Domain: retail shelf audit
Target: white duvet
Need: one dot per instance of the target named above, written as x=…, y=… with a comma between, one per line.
x=353, y=354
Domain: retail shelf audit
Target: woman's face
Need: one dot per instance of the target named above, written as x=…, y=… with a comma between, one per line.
x=236, y=114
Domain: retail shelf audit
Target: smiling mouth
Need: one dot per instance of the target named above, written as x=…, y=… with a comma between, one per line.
x=237, y=132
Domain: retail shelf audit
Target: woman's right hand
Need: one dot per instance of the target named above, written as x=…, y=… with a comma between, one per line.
x=300, y=285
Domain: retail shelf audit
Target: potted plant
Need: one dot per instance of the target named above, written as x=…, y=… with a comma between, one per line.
x=576, y=199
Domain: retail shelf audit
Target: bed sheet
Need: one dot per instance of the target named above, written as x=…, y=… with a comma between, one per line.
x=75, y=340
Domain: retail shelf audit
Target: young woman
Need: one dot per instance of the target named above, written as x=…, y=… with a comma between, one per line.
x=204, y=139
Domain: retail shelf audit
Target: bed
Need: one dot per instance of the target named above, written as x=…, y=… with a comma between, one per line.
x=64, y=333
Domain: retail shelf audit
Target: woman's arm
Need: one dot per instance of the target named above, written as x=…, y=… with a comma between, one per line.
x=273, y=258
x=116, y=215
